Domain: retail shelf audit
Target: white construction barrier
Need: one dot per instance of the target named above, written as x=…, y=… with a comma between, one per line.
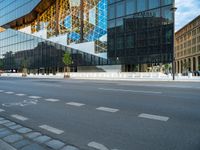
x=110, y=76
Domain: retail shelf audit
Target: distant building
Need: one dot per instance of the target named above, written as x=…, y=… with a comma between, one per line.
x=187, y=51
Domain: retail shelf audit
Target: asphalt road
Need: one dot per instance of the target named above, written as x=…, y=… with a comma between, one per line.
x=118, y=115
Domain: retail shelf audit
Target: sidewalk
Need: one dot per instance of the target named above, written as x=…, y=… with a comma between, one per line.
x=112, y=76
x=14, y=136
x=5, y=146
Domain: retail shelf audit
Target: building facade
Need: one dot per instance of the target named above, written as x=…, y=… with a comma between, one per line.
x=188, y=47
x=140, y=32
x=134, y=34
x=40, y=31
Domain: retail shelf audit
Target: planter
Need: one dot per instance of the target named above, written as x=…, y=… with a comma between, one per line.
x=66, y=76
x=24, y=75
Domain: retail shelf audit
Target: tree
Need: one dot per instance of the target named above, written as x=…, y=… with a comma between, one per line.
x=167, y=68
x=186, y=66
x=1, y=66
x=24, y=65
x=67, y=60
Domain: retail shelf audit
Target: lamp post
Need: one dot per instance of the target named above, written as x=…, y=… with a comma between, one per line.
x=173, y=10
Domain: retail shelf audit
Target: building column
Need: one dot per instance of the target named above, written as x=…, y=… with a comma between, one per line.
x=197, y=63
x=180, y=70
x=188, y=62
x=57, y=17
x=191, y=65
x=177, y=67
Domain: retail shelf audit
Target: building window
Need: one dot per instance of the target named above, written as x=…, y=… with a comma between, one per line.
x=194, y=32
x=120, y=43
x=111, y=1
x=198, y=30
x=111, y=13
x=167, y=2
x=111, y=24
x=154, y=4
x=129, y=41
x=141, y=5
x=167, y=14
x=194, y=49
x=120, y=10
x=130, y=6
x=194, y=41
x=198, y=48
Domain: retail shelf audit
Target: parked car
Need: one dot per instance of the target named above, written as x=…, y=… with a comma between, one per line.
x=186, y=73
x=196, y=73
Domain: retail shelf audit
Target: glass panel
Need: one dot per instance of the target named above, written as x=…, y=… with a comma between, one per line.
x=154, y=3
x=120, y=8
x=111, y=12
x=130, y=6
x=141, y=5
x=167, y=2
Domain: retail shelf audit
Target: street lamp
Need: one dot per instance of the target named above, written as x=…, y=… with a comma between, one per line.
x=173, y=10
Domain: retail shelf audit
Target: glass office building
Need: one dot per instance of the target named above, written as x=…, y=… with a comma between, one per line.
x=40, y=55
x=130, y=32
x=27, y=26
x=140, y=32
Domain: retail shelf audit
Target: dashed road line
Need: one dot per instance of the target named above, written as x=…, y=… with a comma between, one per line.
x=34, y=97
x=19, y=117
x=75, y=104
x=133, y=91
x=153, y=117
x=9, y=92
x=52, y=100
x=107, y=109
x=1, y=110
x=20, y=94
x=51, y=129
x=97, y=146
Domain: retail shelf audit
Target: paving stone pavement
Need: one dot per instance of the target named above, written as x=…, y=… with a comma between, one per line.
x=14, y=136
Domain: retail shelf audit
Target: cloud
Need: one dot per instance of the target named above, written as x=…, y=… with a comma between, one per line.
x=186, y=12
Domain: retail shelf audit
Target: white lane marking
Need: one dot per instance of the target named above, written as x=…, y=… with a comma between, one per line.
x=154, y=117
x=19, y=117
x=107, y=109
x=34, y=97
x=51, y=129
x=133, y=91
x=52, y=100
x=1, y=110
x=9, y=92
x=22, y=104
x=75, y=104
x=1, y=91
x=20, y=94
x=97, y=146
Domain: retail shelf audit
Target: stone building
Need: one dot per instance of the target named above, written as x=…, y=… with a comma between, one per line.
x=187, y=47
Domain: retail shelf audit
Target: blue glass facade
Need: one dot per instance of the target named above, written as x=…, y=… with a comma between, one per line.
x=42, y=54
x=13, y=9
x=139, y=31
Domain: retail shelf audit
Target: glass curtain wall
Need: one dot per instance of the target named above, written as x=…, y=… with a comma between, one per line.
x=140, y=31
x=14, y=9
x=40, y=55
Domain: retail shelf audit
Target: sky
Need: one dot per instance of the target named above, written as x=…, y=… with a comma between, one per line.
x=186, y=12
